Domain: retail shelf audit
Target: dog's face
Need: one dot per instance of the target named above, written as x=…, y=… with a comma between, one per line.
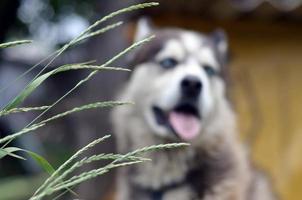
x=178, y=80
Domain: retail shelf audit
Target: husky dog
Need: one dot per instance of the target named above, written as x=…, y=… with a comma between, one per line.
x=179, y=89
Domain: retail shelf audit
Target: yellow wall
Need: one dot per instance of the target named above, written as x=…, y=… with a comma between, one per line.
x=266, y=69
x=267, y=74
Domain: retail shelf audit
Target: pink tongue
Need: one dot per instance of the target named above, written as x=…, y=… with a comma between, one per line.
x=186, y=126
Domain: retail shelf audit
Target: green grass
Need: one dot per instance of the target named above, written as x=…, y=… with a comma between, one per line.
x=62, y=179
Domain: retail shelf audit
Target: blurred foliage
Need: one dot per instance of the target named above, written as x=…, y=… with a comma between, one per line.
x=80, y=7
x=61, y=179
x=51, y=10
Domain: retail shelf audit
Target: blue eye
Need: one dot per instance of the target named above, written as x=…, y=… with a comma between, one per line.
x=168, y=63
x=210, y=70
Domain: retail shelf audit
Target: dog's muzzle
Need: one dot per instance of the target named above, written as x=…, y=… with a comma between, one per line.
x=191, y=87
x=184, y=120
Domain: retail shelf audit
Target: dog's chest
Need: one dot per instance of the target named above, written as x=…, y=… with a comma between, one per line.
x=178, y=176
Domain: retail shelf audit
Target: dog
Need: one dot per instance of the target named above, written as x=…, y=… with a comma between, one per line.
x=179, y=86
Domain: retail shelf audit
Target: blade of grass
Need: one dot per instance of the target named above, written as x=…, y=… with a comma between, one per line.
x=118, y=12
x=51, y=186
x=23, y=131
x=79, y=179
x=93, y=173
x=42, y=162
x=116, y=163
x=64, y=192
x=9, y=151
x=73, y=42
x=151, y=148
x=31, y=87
x=113, y=165
x=26, y=72
x=85, y=107
x=103, y=30
x=135, y=45
x=70, y=160
x=100, y=31
x=54, y=55
x=14, y=43
x=93, y=159
x=82, y=35
x=37, y=82
x=93, y=67
x=76, y=109
x=26, y=109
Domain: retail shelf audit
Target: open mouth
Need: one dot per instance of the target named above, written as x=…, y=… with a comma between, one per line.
x=184, y=120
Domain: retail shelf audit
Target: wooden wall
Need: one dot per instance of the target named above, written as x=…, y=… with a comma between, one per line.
x=266, y=69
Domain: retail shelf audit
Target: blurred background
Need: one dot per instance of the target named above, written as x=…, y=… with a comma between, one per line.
x=266, y=68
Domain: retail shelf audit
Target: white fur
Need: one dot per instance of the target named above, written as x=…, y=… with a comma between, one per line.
x=162, y=87
x=172, y=48
x=191, y=41
x=206, y=56
x=143, y=29
x=136, y=127
x=167, y=85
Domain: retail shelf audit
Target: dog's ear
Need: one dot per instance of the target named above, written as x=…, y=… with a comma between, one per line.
x=220, y=40
x=143, y=29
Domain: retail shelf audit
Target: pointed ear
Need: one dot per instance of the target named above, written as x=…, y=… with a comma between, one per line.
x=143, y=29
x=220, y=40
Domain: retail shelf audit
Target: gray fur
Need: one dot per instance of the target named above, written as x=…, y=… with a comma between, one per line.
x=215, y=166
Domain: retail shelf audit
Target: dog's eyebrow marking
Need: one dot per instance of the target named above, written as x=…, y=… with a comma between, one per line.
x=191, y=41
x=148, y=51
x=172, y=48
x=207, y=56
x=199, y=46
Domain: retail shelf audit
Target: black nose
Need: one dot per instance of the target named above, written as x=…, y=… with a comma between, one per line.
x=191, y=86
